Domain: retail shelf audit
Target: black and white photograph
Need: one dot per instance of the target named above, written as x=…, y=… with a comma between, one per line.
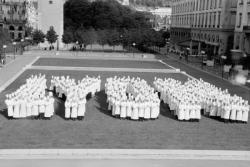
x=138, y=83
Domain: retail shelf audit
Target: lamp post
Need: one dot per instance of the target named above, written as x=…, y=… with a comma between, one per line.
x=22, y=40
x=121, y=36
x=188, y=51
x=27, y=39
x=76, y=48
x=222, y=65
x=134, y=44
x=4, y=56
x=202, y=58
x=14, y=44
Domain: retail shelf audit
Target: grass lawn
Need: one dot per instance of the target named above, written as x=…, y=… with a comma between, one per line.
x=100, y=63
x=100, y=130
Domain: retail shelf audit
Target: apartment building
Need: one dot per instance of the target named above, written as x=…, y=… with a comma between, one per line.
x=12, y=17
x=203, y=25
x=242, y=27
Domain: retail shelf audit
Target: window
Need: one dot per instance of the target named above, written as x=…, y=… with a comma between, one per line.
x=206, y=15
x=240, y=2
x=219, y=15
x=240, y=19
x=20, y=35
x=220, y=3
x=248, y=18
x=210, y=20
x=233, y=19
x=12, y=35
x=20, y=28
x=12, y=28
x=214, y=19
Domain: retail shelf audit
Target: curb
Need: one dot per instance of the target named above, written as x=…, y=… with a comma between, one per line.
x=102, y=58
x=105, y=69
x=123, y=154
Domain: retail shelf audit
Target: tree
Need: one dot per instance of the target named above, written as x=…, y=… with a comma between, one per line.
x=85, y=36
x=38, y=36
x=28, y=31
x=68, y=37
x=113, y=38
x=102, y=37
x=92, y=36
x=51, y=36
x=4, y=39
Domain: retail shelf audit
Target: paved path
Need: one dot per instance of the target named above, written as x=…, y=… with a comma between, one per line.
x=217, y=81
x=15, y=68
x=122, y=163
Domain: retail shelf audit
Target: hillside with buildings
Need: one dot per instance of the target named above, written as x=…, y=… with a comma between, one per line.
x=150, y=3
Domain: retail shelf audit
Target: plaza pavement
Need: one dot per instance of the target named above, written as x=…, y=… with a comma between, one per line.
x=11, y=71
x=197, y=73
x=135, y=154
x=122, y=163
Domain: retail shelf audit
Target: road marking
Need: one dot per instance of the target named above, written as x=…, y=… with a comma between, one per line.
x=166, y=64
x=104, y=69
x=183, y=72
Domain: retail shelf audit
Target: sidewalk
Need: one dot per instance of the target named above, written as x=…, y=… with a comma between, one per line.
x=197, y=62
x=13, y=69
x=152, y=154
x=198, y=73
x=89, y=54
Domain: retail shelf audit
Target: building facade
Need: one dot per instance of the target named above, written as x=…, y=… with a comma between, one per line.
x=242, y=27
x=50, y=14
x=13, y=17
x=32, y=13
x=204, y=25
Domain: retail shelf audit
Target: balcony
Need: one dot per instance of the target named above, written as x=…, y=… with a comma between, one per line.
x=15, y=21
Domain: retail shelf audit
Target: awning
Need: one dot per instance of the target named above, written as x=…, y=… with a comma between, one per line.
x=212, y=43
x=187, y=44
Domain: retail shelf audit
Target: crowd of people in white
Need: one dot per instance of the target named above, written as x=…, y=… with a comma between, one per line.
x=76, y=93
x=30, y=100
x=187, y=100
x=127, y=98
x=131, y=98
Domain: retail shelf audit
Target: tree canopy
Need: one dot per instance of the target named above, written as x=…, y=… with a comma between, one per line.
x=108, y=22
x=51, y=36
x=38, y=36
x=4, y=38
